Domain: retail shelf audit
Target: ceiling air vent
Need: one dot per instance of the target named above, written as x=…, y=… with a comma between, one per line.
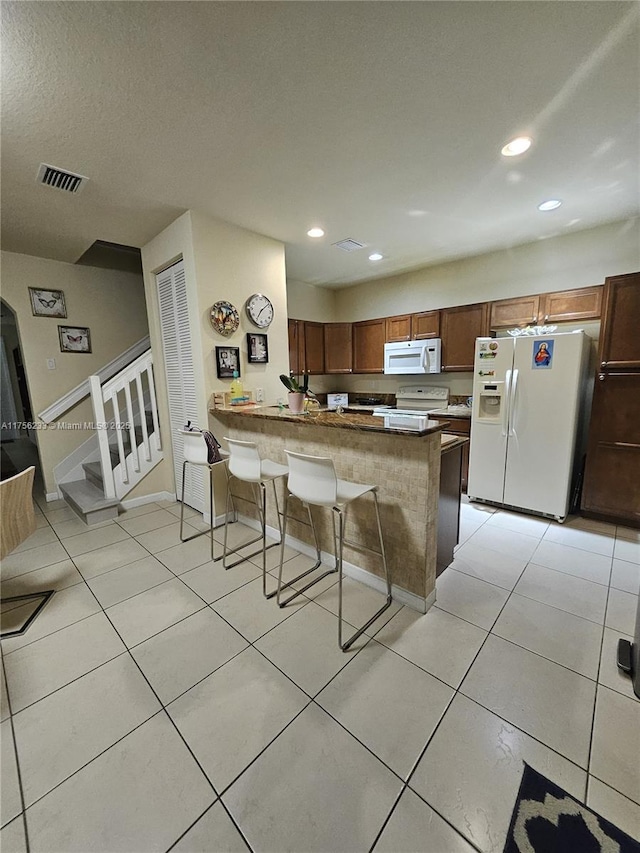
x=349, y=245
x=51, y=176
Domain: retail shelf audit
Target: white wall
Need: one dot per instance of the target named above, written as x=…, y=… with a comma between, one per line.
x=111, y=303
x=221, y=261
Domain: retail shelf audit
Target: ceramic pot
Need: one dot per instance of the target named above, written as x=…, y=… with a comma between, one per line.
x=296, y=402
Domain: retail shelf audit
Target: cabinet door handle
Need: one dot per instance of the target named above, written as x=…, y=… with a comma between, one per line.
x=546, y=318
x=601, y=377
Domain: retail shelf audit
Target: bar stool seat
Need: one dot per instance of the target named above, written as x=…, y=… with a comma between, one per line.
x=246, y=465
x=313, y=481
x=196, y=452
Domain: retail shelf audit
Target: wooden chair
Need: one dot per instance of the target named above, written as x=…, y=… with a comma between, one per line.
x=18, y=522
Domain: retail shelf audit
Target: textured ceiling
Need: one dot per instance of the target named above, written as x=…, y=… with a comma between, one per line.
x=381, y=121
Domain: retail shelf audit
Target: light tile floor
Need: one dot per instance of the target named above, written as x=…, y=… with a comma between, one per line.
x=161, y=703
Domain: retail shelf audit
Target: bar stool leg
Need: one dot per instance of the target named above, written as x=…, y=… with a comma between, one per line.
x=316, y=565
x=340, y=516
x=259, y=499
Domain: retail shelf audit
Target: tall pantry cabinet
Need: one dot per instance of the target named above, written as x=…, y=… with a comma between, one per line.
x=611, y=487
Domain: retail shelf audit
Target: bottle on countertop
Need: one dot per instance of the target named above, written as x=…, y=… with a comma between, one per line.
x=237, y=391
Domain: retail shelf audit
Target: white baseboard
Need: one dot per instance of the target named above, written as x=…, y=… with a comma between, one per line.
x=398, y=593
x=148, y=499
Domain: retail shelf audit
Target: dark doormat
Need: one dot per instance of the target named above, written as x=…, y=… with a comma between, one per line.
x=547, y=819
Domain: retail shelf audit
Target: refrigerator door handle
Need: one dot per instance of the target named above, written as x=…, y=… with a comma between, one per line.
x=505, y=403
x=512, y=403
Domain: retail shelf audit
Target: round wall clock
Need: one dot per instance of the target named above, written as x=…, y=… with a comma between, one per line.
x=259, y=310
x=224, y=318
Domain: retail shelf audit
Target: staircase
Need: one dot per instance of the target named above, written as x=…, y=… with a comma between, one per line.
x=129, y=445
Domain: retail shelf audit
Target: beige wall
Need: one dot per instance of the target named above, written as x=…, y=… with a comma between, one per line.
x=109, y=302
x=222, y=261
x=558, y=263
x=308, y=302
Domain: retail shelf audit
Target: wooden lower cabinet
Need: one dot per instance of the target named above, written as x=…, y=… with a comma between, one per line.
x=338, y=354
x=459, y=328
x=368, y=346
x=458, y=426
x=448, y=506
x=611, y=487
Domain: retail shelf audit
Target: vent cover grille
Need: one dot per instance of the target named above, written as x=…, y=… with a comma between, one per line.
x=52, y=176
x=349, y=245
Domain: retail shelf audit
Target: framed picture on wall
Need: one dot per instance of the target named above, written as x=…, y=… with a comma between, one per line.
x=227, y=360
x=47, y=303
x=74, y=339
x=257, y=349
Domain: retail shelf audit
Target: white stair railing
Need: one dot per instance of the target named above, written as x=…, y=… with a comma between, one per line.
x=119, y=411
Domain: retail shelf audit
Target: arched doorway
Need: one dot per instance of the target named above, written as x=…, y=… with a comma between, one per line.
x=18, y=442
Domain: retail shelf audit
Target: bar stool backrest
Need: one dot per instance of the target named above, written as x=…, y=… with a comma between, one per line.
x=312, y=479
x=195, y=447
x=244, y=460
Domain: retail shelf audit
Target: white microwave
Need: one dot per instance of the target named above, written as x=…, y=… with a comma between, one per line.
x=413, y=357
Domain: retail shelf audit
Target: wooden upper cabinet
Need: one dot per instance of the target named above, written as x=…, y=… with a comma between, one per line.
x=398, y=328
x=620, y=336
x=296, y=346
x=565, y=306
x=338, y=355
x=368, y=346
x=512, y=313
x=459, y=328
x=425, y=325
x=313, y=347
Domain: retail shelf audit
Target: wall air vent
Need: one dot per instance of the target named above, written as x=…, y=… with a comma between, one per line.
x=349, y=245
x=60, y=179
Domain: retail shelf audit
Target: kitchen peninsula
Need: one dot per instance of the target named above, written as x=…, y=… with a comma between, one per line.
x=404, y=464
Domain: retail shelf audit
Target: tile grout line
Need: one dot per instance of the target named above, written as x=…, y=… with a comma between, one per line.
x=595, y=695
x=313, y=700
x=23, y=811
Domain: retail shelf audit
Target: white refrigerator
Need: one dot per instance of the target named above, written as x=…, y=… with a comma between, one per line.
x=527, y=393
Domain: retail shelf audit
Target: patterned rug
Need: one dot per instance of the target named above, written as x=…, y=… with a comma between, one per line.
x=547, y=819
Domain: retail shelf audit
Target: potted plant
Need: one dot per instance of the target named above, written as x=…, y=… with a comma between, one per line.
x=297, y=392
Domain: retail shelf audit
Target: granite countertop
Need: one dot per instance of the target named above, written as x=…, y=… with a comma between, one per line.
x=453, y=412
x=352, y=420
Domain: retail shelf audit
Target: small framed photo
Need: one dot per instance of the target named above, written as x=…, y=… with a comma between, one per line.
x=257, y=349
x=74, y=339
x=227, y=360
x=47, y=303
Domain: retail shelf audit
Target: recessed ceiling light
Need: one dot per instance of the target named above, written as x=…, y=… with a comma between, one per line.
x=376, y=256
x=550, y=204
x=315, y=232
x=517, y=146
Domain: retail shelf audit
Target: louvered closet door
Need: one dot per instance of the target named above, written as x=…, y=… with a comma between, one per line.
x=178, y=364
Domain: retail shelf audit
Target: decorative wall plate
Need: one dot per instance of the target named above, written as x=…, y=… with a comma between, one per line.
x=224, y=318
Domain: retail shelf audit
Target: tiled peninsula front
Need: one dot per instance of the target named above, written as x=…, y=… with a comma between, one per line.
x=404, y=465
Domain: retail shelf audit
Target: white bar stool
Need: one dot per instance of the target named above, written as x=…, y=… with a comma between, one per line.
x=313, y=480
x=246, y=465
x=196, y=452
